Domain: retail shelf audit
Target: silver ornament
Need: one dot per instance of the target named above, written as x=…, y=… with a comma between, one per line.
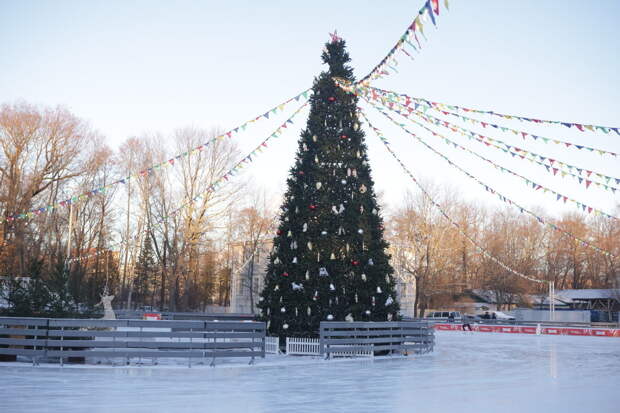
x=330, y=317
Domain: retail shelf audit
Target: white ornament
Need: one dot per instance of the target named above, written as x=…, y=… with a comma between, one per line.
x=340, y=231
x=374, y=211
x=297, y=287
x=307, y=275
x=363, y=277
x=323, y=272
x=296, y=312
x=285, y=326
x=289, y=234
x=297, y=210
x=334, y=209
x=367, y=312
x=356, y=126
x=356, y=298
x=305, y=147
x=348, y=171
x=349, y=318
x=371, y=262
x=379, y=290
x=323, y=232
x=354, y=172
x=294, y=245
x=314, y=138
x=283, y=310
x=330, y=317
x=309, y=245
x=389, y=317
x=343, y=182
x=319, y=185
x=332, y=257
x=332, y=288
x=309, y=311
x=304, y=227
x=316, y=159
x=360, y=231
x=276, y=288
x=363, y=189
x=389, y=301
x=341, y=210
x=294, y=260
x=277, y=260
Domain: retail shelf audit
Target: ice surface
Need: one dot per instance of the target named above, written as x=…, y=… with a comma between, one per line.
x=480, y=372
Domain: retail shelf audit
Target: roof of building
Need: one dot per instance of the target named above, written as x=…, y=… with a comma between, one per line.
x=589, y=294
x=489, y=296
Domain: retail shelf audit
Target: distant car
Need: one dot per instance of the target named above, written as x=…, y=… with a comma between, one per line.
x=502, y=316
x=496, y=315
x=445, y=315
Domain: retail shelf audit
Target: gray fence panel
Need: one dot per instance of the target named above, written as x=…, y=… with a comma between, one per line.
x=389, y=336
x=64, y=338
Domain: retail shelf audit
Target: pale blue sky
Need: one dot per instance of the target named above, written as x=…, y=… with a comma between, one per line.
x=131, y=67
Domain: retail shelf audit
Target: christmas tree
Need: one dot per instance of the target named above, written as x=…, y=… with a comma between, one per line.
x=329, y=260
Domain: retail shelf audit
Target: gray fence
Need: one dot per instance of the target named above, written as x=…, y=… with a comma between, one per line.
x=39, y=338
x=392, y=336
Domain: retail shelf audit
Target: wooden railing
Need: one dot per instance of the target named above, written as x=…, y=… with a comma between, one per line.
x=402, y=337
x=39, y=338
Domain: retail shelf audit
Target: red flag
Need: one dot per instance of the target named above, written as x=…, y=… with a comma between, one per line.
x=588, y=183
x=435, y=6
x=579, y=126
x=589, y=209
x=555, y=171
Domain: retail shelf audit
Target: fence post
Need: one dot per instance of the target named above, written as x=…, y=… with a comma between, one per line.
x=214, y=346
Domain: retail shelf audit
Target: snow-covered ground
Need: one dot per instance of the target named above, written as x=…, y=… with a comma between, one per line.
x=480, y=372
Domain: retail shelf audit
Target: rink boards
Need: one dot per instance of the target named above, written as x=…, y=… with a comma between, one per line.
x=515, y=329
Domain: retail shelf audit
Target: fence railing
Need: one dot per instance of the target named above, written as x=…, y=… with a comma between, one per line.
x=39, y=338
x=302, y=346
x=272, y=345
x=392, y=336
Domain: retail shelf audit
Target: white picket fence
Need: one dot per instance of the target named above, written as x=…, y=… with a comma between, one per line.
x=312, y=347
x=303, y=346
x=272, y=345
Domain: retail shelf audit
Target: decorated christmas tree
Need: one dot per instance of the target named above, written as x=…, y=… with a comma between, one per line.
x=329, y=260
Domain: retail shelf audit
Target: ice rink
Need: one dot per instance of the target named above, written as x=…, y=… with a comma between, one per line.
x=480, y=372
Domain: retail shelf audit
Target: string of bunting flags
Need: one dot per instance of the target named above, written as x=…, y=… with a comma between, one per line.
x=148, y=171
x=430, y=11
x=582, y=127
x=554, y=166
x=440, y=209
x=234, y=170
x=534, y=185
x=446, y=110
x=503, y=198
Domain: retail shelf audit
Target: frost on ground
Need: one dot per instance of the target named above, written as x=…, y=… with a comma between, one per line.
x=466, y=373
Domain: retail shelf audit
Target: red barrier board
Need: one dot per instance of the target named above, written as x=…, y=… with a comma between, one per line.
x=569, y=331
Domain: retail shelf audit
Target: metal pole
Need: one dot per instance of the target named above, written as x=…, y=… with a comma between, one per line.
x=551, y=301
x=70, y=229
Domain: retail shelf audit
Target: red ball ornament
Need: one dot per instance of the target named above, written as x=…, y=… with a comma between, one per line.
x=312, y=207
x=300, y=172
x=343, y=136
x=331, y=99
x=354, y=262
x=285, y=274
x=279, y=232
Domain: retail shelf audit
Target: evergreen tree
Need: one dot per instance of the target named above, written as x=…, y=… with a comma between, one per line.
x=329, y=259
